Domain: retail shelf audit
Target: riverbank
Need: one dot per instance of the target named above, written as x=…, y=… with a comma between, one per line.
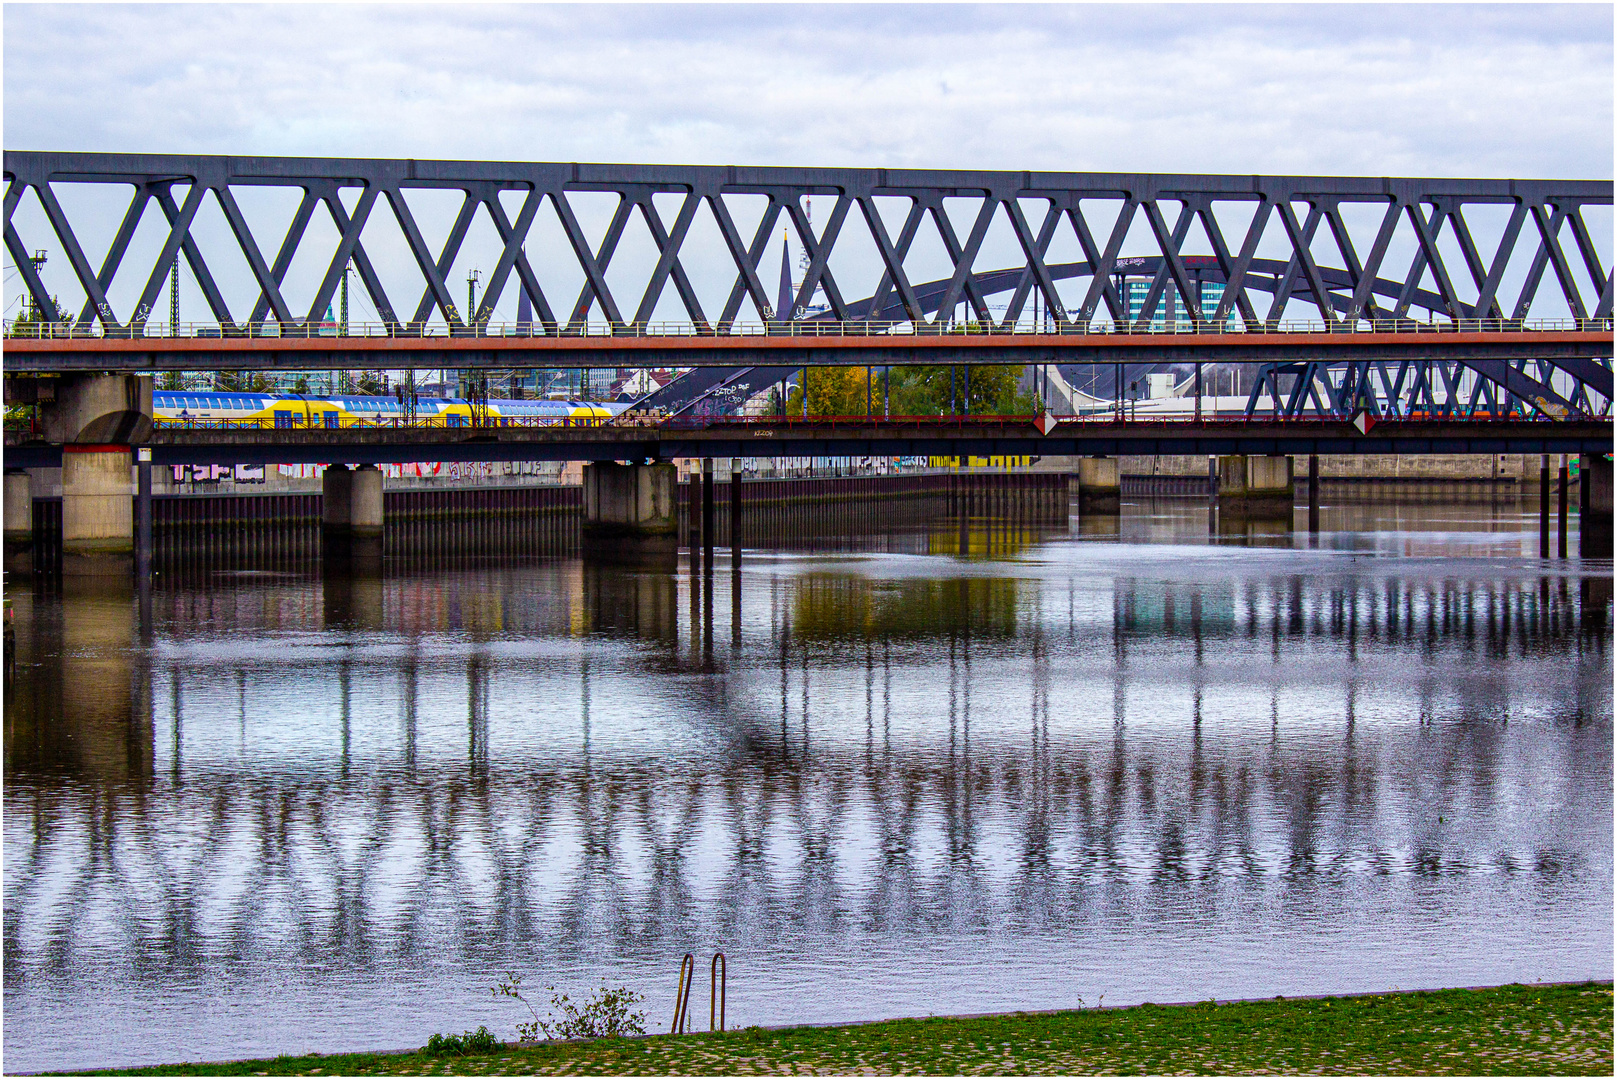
x=1559, y=1030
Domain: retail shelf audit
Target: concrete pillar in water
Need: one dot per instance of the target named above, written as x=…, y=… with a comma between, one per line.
x=365, y=516
x=95, y=418
x=1595, y=516
x=19, y=511
x=1250, y=486
x=365, y=523
x=1099, y=486
x=735, y=514
x=98, y=512
x=336, y=500
x=630, y=511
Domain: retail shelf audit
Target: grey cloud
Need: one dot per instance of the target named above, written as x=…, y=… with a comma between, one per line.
x=1442, y=89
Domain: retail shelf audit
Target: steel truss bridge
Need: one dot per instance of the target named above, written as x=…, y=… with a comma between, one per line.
x=1448, y=333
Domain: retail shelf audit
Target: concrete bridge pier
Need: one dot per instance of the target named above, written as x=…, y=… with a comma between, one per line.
x=365, y=516
x=351, y=520
x=95, y=418
x=1594, y=507
x=98, y=511
x=1256, y=487
x=631, y=513
x=336, y=496
x=19, y=511
x=1099, y=486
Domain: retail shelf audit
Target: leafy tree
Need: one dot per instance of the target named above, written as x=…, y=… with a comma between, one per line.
x=27, y=324
x=837, y=391
x=926, y=391
x=256, y=382
x=372, y=382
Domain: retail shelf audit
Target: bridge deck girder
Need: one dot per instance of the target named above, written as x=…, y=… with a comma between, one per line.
x=854, y=439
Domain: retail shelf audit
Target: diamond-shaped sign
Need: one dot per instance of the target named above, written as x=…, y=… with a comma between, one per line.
x=1045, y=423
x=1364, y=422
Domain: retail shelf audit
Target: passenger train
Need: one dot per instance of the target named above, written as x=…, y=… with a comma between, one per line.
x=232, y=409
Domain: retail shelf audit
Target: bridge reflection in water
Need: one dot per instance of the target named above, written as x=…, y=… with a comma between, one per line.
x=1055, y=768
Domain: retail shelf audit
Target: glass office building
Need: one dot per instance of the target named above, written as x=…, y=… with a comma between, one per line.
x=1169, y=306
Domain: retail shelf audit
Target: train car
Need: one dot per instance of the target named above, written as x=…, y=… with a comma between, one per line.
x=224, y=408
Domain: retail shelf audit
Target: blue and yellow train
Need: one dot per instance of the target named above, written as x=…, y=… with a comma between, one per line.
x=232, y=409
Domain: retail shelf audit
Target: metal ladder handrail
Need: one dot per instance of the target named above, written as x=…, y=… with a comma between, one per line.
x=682, y=995
x=715, y=990
x=718, y=982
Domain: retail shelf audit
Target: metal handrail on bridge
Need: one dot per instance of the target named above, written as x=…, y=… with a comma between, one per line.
x=23, y=329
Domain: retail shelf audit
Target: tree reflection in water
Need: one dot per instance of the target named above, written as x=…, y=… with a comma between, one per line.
x=981, y=783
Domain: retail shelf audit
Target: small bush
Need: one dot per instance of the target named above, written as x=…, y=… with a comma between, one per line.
x=605, y=1013
x=481, y=1041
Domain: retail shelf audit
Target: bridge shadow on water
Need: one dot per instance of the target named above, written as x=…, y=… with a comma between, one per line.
x=988, y=760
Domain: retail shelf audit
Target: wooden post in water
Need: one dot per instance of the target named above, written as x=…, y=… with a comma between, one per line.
x=707, y=512
x=1313, y=493
x=1544, y=506
x=735, y=513
x=1560, y=546
x=143, y=514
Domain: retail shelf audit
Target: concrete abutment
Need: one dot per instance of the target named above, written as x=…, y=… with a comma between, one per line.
x=631, y=512
x=1595, y=508
x=1099, y=486
x=98, y=511
x=1256, y=487
x=19, y=514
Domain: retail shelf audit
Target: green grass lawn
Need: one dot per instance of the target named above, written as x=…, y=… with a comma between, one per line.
x=1508, y=1030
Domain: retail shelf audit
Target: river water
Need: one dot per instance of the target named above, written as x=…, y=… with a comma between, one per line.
x=1017, y=765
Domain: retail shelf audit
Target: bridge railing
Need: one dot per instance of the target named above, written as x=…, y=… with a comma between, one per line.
x=27, y=329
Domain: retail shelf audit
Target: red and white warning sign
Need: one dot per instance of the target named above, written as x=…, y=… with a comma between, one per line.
x=1045, y=423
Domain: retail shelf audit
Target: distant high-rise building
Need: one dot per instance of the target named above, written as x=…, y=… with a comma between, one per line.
x=1136, y=289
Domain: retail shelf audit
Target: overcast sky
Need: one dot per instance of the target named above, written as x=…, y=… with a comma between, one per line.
x=1427, y=90
x=1492, y=90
